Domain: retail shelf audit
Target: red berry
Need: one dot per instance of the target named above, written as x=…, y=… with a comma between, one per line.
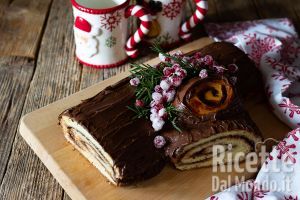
x=208, y=60
x=168, y=71
x=139, y=103
x=197, y=55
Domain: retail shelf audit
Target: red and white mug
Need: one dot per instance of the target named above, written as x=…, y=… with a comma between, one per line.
x=101, y=31
x=168, y=25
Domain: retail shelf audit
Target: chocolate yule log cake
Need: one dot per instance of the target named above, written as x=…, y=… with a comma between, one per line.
x=174, y=111
x=103, y=130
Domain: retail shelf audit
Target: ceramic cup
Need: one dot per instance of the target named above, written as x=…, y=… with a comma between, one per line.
x=168, y=24
x=101, y=31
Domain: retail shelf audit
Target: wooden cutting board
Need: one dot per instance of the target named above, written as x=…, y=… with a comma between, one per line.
x=82, y=181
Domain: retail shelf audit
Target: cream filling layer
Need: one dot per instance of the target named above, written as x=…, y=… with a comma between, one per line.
x=82, y=140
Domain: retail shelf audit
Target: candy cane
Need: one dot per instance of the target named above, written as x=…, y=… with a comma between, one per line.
x=196, y=18
x=145, y=17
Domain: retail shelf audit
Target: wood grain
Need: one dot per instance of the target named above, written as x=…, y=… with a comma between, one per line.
x=278, y=8
x=15, y=77
x=21, y=25
x=91, y=76
x=273, y=8
x=296, y=8
x=235, y=10
x=211, y=15
x=57, y=75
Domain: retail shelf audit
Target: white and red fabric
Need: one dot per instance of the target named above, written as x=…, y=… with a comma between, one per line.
x=101, y=32
x=274, y=46
x=278, y=179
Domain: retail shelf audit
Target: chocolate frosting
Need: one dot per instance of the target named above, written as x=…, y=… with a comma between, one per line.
x=195, y=127
x=222, y=116
x=249, y=78
x=128, y=141
x=194, y=132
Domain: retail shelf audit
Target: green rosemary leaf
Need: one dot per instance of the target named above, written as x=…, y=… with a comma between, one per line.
x=150, y=77
x=182, y=63
x=173, y=122
x=131, y=108
x=139, y=111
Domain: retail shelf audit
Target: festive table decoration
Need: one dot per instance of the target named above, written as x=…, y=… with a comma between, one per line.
x=156, y=85
x=101, y=34
x=167, y=27
x=210, y=112
x=142, y=31
x=154, y=7
x=196, y=18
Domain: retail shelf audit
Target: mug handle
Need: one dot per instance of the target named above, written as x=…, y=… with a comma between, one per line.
x=196, y=18
x=141, y=32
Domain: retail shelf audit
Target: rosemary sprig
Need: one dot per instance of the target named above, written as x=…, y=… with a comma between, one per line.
x=140, y=112
x=172, y=116
x=149, y=78
x=146, y=78
x=181, y=62
x=191, y=70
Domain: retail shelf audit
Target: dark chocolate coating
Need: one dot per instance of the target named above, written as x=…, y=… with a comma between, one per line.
x=233, y=117
x=249, y=78
x=195, y=128
x=194, y=132
x=128, y=141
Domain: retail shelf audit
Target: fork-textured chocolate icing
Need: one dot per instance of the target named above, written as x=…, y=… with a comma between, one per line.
x=102, y=128
x=128, y=141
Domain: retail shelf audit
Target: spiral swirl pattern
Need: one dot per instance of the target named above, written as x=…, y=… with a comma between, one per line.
x=209, y=96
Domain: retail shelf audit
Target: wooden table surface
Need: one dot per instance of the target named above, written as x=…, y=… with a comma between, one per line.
x=37, y=67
